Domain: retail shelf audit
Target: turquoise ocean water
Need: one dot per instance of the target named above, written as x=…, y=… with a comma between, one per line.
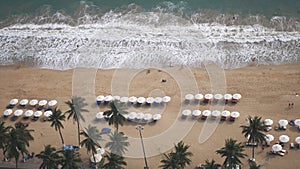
x=64, y=34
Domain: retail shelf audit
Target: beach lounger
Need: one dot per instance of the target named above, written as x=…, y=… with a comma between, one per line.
x=283, y=151
x=292, y=145
x=280, y=153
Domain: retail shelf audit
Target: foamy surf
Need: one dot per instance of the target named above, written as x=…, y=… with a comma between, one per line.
x=145, y=40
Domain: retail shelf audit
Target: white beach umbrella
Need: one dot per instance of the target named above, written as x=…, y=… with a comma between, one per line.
x=186, y=112
x=38, y=113
x=13, y=101
x=157, y=99
x=149, y=100
x=100, y=151
x=99, y=115
x=198, y=96
x=297, y=122
x=52, y=103
x=42, y=102
x=108, y=98
x=100, y=98
x=208, y=96
x=276, y=147
x=236, y=96
x=189, y=97
x=218, y=96
x=156, y=116
x=98, y=158
x=132, y=115
x=225, y=113
x=48, y=113
x=141, y=100
x=297, y=140
x=196, y=113
x=206, y=113
x=268, y=122
x=140, y=116
x=18, y=112
x=284, y=138
x=23, y=102
x=132, y=99
x=269, y=137
x=124, y=99
x=28, y=113
x=147, y=116
x=7, y=112
x=235, y=114
x=116, y=97
x=227, y=96
x=166, y=99
x=283, y=122
x=216, y=113
x=33, y=102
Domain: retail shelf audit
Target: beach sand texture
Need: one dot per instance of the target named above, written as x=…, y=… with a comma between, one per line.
x=266, y=92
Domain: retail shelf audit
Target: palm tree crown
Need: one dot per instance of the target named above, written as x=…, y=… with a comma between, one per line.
x=116, y=114
x=57, y=117
x=76, y=106
x=70, y=159
x=255, y=131
x=178, y=159
x=114, y=161
x=211, y=165
x=50, y=158
x=233, y=152
x=92, y=137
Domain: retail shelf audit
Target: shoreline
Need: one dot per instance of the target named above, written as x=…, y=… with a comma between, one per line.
x=266, y=90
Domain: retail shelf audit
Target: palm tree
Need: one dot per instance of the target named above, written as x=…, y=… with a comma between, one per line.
x=76, y=108
x=211, y=165
x=233, y=152
x=169, y=161
x=92, y=137
x=70, y=159
x=18, y=138
x=4, y=133
x=116, y=114
x=118, y=144
x=253, y=165
x=57, y=117
x=183, y=154
x=114, y=161
x=178, y=159
x=50, y=158
x=255, y=131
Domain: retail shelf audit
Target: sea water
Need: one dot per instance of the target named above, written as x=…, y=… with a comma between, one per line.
x=106, y=34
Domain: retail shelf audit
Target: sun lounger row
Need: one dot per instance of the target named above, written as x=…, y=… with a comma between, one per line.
x=32, y=103
x=133, y=116
x=215, y=97
x=133, y=99
x=214, y=114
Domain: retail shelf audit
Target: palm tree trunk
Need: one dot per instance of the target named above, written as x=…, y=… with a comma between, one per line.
x=16, y=163
x=94, y=160
x=62, y=139
x=78, y=130
x=253, y=149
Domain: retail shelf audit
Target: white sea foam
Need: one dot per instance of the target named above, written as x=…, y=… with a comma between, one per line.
x=145, y=40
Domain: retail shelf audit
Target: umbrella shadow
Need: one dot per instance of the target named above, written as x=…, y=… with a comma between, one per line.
x=13, y=118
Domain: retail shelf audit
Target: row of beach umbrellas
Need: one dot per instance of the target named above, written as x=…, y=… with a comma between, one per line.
x=282, y=139
x=32, y=102
x=214, y=113
x=27, y=113
x=281, y=122
x=134, y=116
x=233, y=97
x=133, y=99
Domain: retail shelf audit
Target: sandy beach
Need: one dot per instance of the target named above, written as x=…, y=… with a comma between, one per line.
x=266, y=92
